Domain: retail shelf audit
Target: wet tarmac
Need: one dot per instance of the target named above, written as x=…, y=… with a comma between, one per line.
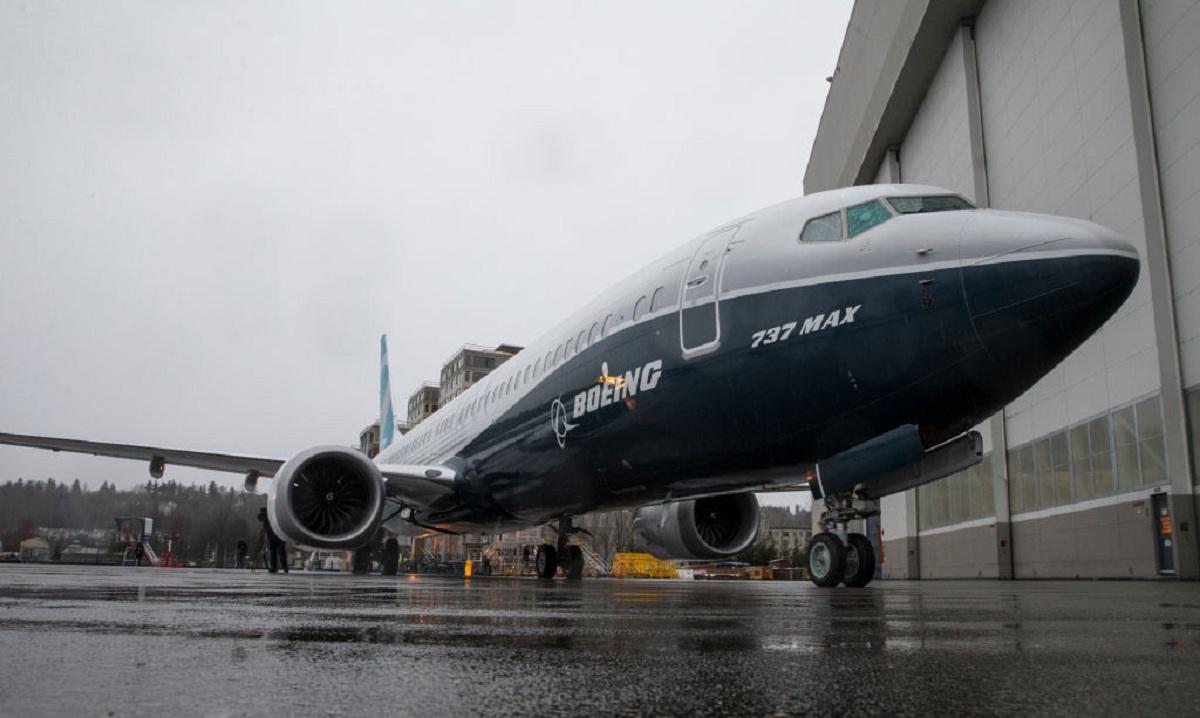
x=106, y=641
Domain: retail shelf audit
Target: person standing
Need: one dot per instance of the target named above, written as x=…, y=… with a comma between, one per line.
x=276, y=547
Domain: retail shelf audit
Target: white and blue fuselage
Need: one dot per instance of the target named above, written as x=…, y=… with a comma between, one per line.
x=768, y=344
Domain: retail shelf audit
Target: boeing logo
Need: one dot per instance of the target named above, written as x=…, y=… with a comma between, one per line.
x=610, y=389
x=559, y=423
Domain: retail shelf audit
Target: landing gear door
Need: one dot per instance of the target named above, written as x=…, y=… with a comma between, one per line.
x=699, y=304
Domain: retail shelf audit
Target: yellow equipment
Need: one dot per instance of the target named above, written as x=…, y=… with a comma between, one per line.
x=641, y=565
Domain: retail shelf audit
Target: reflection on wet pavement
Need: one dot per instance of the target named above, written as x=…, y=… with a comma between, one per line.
x=88, y=640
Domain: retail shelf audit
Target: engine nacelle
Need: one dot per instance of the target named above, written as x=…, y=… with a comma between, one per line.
x=711, y=527
x=327, y=497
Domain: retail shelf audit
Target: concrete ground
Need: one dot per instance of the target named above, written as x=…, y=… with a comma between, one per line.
x=107, y=641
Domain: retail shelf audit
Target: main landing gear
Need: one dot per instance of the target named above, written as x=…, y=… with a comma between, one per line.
x=565, y=555
x=837, y=556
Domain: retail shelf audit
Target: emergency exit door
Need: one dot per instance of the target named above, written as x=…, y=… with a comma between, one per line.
x=699, y=300
x=1164, y=533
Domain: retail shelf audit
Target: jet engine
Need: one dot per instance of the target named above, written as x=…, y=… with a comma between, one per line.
x=327, y=497
x=711, y=527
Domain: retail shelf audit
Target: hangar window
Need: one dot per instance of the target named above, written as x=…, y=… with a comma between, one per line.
x=862, y=217
x=935, y=203
x=826, y=228
x=1028, y=479
x=1081, y=462
x=1060, y=470
x=983, y=502
x=1100, y=438
x=1125, y=433
x=1150, y=441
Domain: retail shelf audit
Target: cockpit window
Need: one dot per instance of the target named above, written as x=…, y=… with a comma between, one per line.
x=826, y=228
x=936, y=203
x=862, y=217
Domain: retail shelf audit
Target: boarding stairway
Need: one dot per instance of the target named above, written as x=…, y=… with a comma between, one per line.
x=129, y=558
x=593, y=559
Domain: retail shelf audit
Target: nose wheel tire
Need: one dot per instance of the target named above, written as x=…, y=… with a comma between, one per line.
x=826, y=560
x=860, y=561
x=573, y=562
x=547, y=561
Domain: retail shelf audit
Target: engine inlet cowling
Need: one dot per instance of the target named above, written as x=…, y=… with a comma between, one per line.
x=711, y=527
x=327, y=497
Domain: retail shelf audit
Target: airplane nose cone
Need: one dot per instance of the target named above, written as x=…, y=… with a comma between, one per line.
x=1050, y=286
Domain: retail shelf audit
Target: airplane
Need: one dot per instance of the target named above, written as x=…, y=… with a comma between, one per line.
x=845, y=342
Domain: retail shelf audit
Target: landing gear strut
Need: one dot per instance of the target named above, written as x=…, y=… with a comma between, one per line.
x=837, y=556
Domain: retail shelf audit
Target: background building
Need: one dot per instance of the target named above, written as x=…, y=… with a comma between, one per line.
x=35, y=549
x=423, y=402
x=787, y=529
x=470, y=364
x=1086, y=109
x=368, y=438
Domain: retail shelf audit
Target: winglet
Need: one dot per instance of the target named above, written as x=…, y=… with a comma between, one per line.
x=387, y=418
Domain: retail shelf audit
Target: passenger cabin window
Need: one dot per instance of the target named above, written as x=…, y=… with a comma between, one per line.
x=862, y=217
x=606, y=326
x=656, y=300
x=537, y=367
x=639, y=308
x=935, y=203
x=582, y=344
x=528, y=369
x=826, y=228
x=594, y=336
x=557, y=355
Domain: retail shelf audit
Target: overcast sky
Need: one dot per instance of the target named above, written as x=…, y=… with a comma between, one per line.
x=209, y=212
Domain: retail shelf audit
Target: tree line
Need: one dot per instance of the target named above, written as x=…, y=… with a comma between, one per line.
x=199, y=519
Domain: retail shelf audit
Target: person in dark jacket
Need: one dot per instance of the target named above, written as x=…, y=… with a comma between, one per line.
x=276, y=547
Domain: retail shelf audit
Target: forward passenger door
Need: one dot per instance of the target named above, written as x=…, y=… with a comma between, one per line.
x=699, y=298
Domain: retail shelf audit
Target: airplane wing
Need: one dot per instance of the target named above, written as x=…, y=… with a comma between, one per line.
x=236, y=463
x=414, y=484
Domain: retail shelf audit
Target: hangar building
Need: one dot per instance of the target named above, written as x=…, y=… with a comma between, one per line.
x=1087, y=109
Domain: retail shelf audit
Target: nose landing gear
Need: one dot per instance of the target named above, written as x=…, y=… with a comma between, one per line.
x=837, y=556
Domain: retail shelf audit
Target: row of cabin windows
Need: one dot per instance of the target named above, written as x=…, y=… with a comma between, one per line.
x=861, y=217
x=561, y=353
